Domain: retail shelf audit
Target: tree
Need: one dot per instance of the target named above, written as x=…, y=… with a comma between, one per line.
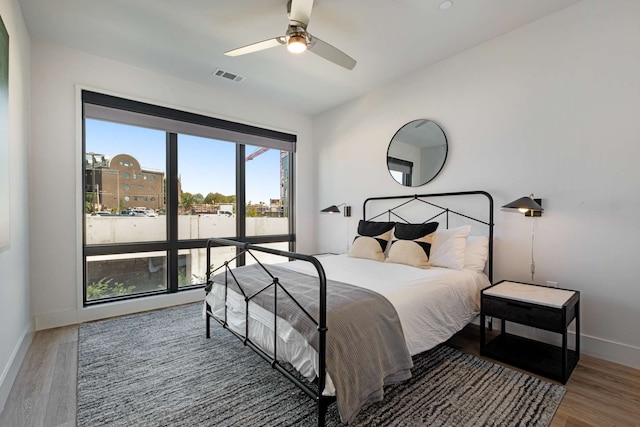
x=187, y=200
x=107, y=288
x=216, y=198
x=89, y=206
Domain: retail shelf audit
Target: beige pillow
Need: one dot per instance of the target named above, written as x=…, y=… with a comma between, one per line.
x=412, y=244
x=408, y=252
x=366, y=247
x=372, y=240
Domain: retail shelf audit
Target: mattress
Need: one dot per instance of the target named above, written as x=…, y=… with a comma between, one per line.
x=432, y=304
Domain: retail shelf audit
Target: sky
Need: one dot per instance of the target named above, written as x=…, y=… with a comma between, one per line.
x=204, y=165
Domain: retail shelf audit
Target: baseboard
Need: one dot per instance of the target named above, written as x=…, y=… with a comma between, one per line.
x=120, y=308
x=612, y=351
x=15, y=361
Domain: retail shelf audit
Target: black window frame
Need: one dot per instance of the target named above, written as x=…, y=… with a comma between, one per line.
x=245, y=135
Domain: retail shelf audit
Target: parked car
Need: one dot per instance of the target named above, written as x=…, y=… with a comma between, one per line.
x=138, y=212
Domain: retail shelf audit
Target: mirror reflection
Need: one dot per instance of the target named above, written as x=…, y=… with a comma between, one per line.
x=417, y=153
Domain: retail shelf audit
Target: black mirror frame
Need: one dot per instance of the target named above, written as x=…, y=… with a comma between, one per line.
x=408, y=178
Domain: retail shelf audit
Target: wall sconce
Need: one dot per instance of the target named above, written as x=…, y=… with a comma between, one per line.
x=532, y=207
x=347, y=213
x=336, y=209
x=529, y=206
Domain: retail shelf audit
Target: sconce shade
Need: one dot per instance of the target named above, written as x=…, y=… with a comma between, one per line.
x=525, y=204
x=336, y=209
x=331, y=209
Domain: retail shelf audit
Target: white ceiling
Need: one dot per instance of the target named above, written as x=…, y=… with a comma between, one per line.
x=186, y=38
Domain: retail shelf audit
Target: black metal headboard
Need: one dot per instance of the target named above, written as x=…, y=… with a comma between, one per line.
x=394, y=213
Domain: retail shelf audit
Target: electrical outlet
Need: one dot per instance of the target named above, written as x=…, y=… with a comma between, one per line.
x=552, y=284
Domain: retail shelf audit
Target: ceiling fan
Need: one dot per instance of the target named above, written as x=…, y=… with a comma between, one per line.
x=298, y=39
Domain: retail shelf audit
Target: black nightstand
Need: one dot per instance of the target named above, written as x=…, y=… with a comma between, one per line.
x=542, y=307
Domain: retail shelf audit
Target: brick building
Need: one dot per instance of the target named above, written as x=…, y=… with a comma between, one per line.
x=119, y=182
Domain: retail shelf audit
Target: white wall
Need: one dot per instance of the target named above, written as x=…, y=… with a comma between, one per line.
x=551, y=108
x=15, y=312
x=56, y=232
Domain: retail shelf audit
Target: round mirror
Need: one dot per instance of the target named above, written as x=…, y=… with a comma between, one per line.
x=417, y=152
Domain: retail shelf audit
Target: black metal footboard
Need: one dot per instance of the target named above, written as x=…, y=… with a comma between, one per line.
x=321, y=322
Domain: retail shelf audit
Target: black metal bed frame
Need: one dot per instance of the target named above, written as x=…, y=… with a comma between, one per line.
x=393, y=215
x=321, y=323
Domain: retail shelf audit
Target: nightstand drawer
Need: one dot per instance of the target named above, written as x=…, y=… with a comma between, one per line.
x=521, y=312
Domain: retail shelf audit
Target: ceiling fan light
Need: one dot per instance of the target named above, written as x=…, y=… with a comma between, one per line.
x=297, y=43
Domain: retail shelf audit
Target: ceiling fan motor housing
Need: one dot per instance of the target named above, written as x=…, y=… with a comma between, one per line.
x=297, y=39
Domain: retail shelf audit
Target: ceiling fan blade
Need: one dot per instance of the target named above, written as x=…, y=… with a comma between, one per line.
x=301, y=11
x=255, y=47
x=330, y=53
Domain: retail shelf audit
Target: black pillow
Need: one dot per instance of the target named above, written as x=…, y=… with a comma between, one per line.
x=372, y=228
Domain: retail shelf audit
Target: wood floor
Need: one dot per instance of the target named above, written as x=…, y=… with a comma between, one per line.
x=599, y=393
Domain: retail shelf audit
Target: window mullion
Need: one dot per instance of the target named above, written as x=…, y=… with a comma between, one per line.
x=172, y=211
x=241, y=204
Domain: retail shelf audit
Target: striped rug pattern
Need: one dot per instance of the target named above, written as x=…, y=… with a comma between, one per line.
x=158, y=369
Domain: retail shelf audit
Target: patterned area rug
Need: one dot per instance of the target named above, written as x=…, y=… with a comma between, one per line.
x=158, y=369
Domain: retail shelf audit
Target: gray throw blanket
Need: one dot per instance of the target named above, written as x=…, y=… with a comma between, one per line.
x=366, y=349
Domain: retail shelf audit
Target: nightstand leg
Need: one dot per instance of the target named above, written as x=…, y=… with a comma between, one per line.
x=503, y=326
x=482, y=332
x=578, y=330
x=564, y=356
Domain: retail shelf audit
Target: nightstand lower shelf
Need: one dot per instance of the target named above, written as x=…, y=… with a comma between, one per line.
x=534, y=356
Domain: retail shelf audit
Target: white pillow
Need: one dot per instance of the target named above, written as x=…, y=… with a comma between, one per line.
x=476, y=253
x=449, y=247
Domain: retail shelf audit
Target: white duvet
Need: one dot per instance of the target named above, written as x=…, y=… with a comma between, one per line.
x=432, y=304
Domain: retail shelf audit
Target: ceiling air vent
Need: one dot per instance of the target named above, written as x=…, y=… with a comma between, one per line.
x=227, y=75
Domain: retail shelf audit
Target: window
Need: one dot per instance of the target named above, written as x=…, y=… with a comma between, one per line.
x=266, y=187
x=208, y=188
x=214, y=179
x=401, y=170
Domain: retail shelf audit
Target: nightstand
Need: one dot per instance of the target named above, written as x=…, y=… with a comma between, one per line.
x=541, y=307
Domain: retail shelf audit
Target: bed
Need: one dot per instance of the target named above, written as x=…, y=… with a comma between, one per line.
x=350, y=323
